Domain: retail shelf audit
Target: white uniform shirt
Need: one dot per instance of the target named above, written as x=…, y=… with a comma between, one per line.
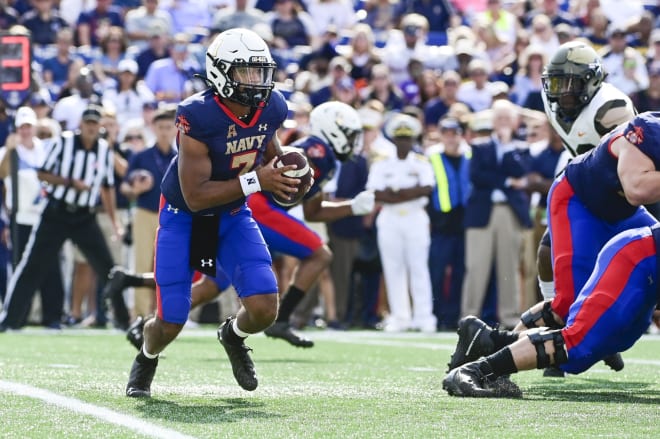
x=31, y=197
x=414, y=170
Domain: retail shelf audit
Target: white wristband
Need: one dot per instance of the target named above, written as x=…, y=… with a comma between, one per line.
x=249, y=183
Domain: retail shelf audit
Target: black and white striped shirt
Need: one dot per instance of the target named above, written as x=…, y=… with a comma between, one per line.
x=68, y=158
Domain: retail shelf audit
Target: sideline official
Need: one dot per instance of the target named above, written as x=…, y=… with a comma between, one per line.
x=78, y=169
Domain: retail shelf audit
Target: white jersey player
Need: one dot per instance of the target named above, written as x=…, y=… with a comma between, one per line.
x=581, y=109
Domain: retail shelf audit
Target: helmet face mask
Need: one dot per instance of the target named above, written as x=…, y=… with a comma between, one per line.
x=572, y=78
x=339, y=125
x=240, y=68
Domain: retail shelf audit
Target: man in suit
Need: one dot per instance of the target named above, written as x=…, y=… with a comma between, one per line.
x=496, y=213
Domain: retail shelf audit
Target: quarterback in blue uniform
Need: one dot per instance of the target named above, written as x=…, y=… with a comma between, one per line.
x=223, y=134
x=336, y=131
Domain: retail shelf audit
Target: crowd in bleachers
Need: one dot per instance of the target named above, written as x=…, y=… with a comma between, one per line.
x=435, y=60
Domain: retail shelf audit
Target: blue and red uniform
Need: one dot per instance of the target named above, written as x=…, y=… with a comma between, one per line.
x=616, y=305
x=588, y=207
x=283, y=232
x=234, y=147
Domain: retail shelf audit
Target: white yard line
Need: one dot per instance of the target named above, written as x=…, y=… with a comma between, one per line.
x=75, y=405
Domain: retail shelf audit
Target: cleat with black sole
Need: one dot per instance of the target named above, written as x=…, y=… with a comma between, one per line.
x=283, y=330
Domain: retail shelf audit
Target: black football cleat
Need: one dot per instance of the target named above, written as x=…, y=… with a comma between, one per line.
x=473, y=343
x=142, y=374
x=553, y=372
x=283, y=330
x=239, y=357
x=476, y=380
x=116, y=282
x=615, y=362
x=135, y=332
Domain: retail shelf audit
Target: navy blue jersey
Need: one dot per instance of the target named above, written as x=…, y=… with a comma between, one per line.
x=593, y=175
x=235, y=146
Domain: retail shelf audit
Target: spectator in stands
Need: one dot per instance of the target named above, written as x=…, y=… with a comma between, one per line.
x=552, y=10
x=496, y=213
x=382, y=16
x=625, y=67
x=496, y=47
x=130, y=94
x=565, y=33
x=476, y=93
x=383, y=88
x=653, y=54
x=505, y=24
x=113, y=50
x=170, y=79
x=68, y=110
x=527, y=84
x=639, y=31
x=438, y=106
x=410, y=87
x=41, y=103
x=439, y=13
x=649, y=98
x=543, y=35
x=189, y=16
x=291, y=27
x=430, y=86
x=44, y=22
x=156, y=49
x=140, y=22
x=93, y=24
x=338, y=82
x=239, y=15
x=132, y=137
x=56, y=69
x=596, y=31
x=404, y=44
x=336, y=15
x=362, y=54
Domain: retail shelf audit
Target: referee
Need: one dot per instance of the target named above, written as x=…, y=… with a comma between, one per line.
x=78, y=169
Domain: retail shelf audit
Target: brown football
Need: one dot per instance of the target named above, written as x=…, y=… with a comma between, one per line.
x=294, y=156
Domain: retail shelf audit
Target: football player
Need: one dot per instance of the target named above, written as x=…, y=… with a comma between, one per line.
x=581, y=108
x=224, y=132
x=336, y=132
x=599, y=195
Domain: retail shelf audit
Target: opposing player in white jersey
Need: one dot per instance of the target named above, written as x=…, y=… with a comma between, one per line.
x=581, y=108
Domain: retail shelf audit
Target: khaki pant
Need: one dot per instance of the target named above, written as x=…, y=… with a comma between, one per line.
x=498, y=243
x=145, y=224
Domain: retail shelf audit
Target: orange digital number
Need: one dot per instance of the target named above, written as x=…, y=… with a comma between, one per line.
x=15, y=62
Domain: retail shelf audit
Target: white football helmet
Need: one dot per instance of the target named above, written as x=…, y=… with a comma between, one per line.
x=240, y=68
x=338, y=124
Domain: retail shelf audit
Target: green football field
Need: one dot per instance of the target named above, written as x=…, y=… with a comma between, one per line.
x=350, y=385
